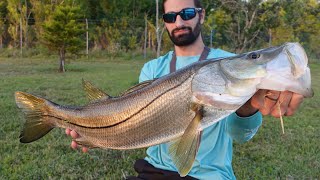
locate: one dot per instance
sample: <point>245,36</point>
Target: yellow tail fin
<point>37,122</point>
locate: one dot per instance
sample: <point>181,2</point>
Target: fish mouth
<point>291,66</point>
<point>298,60</point>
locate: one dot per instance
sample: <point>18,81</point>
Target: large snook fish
<point>173,108</point>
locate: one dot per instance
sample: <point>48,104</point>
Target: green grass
<point>270,155</point>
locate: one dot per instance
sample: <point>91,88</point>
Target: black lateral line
<point>116,124</point>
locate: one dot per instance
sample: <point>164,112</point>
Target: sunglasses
<point>185,14</point>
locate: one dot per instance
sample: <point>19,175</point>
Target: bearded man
<point>183,20</point>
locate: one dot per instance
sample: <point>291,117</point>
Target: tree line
<point>113,25</point>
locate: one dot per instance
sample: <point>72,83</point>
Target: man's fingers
<point>74,145</point>
<point>269,104</point>
<point>273,95</point>
<point>85,149</point>
<point>294,104</point>
<point>284,100</point>
<point>257,101</point>
<point>68,131</point>
<point>269,99</point>
<point>74,134</point>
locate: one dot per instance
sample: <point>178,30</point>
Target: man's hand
<point>267,102</point>
<point>75,135</point>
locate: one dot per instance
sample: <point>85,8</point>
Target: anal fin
<point>184,150</point>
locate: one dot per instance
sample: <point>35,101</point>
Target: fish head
<point>278,68</point>
<point>232,81</point>
<point>244,72</point>
<point>288,70</point>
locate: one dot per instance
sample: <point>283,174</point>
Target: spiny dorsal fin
<point>137,87</point>
<point>93,93</point>
<point>184,150</point>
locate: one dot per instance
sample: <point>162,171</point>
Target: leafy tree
<point>243,26</point>
<point>302,17</point>
<point>93,10</point>
<point>314,39</point>
<point>270,18</point>
<point>3,12</point>
<point>239,25</point>
<point>217,21</point>
<point>63,32</point>
<point>284,32</point>
<point>13,20</point>
<point>18,13</point>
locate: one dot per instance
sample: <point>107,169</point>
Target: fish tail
<point>38,121</point>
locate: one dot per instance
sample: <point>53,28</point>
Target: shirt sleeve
<point>146,73</point>
<point>242,129</point>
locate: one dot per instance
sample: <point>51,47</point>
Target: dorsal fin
<point>93,93</point>
<point>137,87</point>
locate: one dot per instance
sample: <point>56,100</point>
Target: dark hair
<point>197,4</point>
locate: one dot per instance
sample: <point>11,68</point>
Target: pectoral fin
<point>93,93</point>
<point>183,151</point>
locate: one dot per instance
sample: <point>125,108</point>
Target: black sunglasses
<point>185,14</point>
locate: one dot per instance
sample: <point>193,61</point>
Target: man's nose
<point>179,21</point>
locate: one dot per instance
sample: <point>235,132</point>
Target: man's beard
<point>185,39</point>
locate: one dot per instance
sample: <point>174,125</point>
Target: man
<point>183,20</point>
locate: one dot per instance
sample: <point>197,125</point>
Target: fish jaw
<point>289,71</point>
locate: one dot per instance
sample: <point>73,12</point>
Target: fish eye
<point>254,55</point>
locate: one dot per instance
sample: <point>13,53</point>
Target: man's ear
<point>202,16</point>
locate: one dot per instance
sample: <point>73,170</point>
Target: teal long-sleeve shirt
<point>214,157</point>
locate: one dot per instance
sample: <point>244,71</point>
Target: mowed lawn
<point>269,155</point>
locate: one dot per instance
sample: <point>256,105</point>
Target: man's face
<point>183,32</point>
